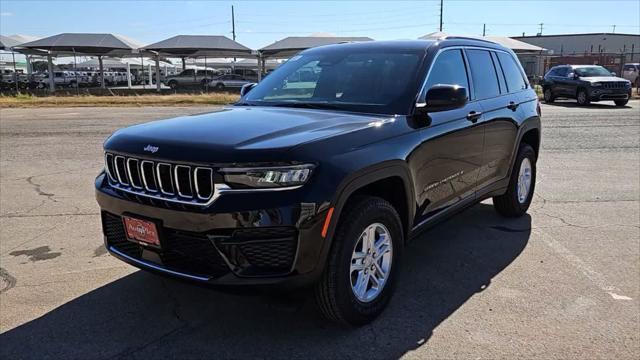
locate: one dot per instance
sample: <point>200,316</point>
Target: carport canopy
<point>292,45</point>
<point>513,44</point>
<point>83,44</point>
<point>6,43</point>
<point>200,46</point>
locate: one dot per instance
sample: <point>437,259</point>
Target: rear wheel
<point>548,96</point>
<point>583,97</point>
<point>621,102</point>
<point>515,202</point>
<point>173,84</point>
<point>359,278</point>
<point>220,86</point>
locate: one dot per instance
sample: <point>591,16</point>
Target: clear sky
<point>259,23</point>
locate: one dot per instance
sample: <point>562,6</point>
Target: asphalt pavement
<point>561,282</point>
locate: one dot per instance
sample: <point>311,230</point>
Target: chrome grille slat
<point>180,183</point>
<point>166,184</point>
<point>119,172</point>
<point>176,178</point>
<point>146,177</point>
<point>134,176</point>
<point>109,167</point>
<point>200,192</point>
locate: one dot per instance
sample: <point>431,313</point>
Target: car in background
<point>229,81</point>
<point>585,83</point>
<point>631,72</point>
<point>190,78</point>
<point>60,78</point>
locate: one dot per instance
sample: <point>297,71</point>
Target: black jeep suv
<point>585,83</point>
<point>321,180</point>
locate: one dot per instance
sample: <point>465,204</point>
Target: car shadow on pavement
<point>574,104</point>
<point>146,316</point>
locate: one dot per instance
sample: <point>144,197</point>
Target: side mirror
<point>246,88</point>
<point>613,73</point>
<point>443,97</point>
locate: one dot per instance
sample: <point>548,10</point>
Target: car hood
<point>237,133</point>
<point>603,79</point>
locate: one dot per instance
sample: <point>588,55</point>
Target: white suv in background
<point>631,72</point>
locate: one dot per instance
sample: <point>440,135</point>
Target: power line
<point>342,31</point>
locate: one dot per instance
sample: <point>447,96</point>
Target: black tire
<point>508,204</point>
<point>173,84</point>
<point>220,87</point>
<point>621,102</point>
<point>582,97</point>
<point>548,96</point>
<point>334,295</point>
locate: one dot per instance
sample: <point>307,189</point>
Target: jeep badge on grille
<point>150,148</point>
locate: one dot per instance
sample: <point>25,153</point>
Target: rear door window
<point>501,73</point>
<point>512,73</point>
<point>483,73</point>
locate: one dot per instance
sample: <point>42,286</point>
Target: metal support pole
<point>150,76</point>
<point>206,77</point>
<point>144,87</point>
<point>75,72</point>
<point>102,85</point>
<point>184,64</point>
<point>128,75</point>
<point>15,71</point>
<point>52,82</point>
<point>158,82</point>
<point>259,67</point>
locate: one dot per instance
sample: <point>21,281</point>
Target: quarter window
<point>448,69</point>
<point>512,73</point>
<point>483,73</point>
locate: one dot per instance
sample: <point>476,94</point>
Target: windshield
<point>365,81</point>
<point>592,71</point>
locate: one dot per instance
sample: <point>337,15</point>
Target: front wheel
<point>359,279</point>
<point>583,97</point>
<point>548,96</point>
<point>220,87</point>
<point>621,102</point>
<point>515,202</point>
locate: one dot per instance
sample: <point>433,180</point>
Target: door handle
<point>512,105</point>
<point>473,116</point>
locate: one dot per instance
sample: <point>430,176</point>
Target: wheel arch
<point>378,180</point>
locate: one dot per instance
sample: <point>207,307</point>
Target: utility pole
<point>614,29</point>
<point>541,27</point>
<point>484,30</point>
<point>441,6</point>
<point>233,23</point>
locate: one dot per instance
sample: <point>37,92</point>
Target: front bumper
<point>610,94</point>
<point>280,245</point>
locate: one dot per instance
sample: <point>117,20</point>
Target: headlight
<point>267,177</point>
<point>596,84</point>
<point>628,84</point>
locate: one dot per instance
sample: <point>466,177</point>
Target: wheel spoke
<point>356,267</point>
<point>380,274</point>
<point>361,284</point>
<point>359,255</point>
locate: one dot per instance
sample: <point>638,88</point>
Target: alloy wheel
<point>371,262</point>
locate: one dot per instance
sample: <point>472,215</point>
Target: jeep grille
<point>187,184</point>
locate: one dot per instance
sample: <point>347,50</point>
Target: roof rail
<point>449,37</point>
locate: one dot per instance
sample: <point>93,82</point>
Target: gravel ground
<point>563,282</point>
